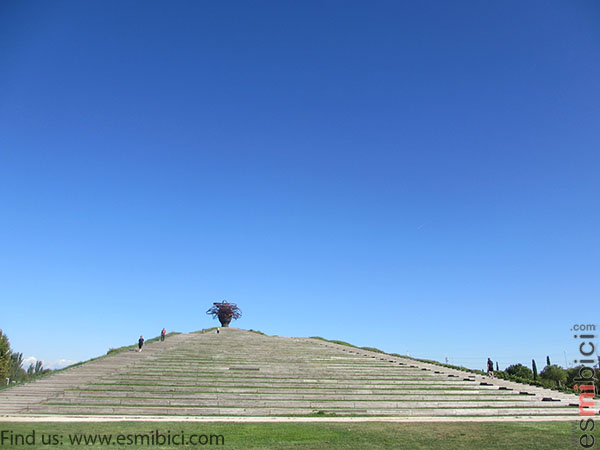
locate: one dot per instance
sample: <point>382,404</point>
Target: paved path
<point>270,419</point>
<point>245,376</point>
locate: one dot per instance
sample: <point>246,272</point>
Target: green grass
<point>257,332</point>
<point>347,344</point>
<point>270,391</point>
<point>169,396</point>
<point>205,330</point>
<point>559,410</point>
<point>297,386</point>
<point>233,375</point>
<point>113,351</point>
<point>370,435</point>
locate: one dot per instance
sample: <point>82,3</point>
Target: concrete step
<point>217,411</point>
<point>243,373</point>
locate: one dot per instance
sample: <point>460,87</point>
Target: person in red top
<point>163,333</point>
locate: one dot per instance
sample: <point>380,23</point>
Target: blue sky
<point>420,177</point>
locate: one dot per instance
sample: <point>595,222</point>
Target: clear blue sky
<point>413,176</point>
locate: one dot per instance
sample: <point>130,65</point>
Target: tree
<point>534,369</point>
<point>548,361</point>
<point>574,377</point>
<point>225,311</point>
<point>497,368</point>
<point>17,374</point>
<point>572,374</point>
<point>35,369</point>
<point>39,369</point>
<point>554,373</point>
<point>519,370</point>
<point>4,358</point>
<point>11,364</point>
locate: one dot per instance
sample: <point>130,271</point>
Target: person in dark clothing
<point>490,366</point>
<point>140,343</point>
<point>163,333</point>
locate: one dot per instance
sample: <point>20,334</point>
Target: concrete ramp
<point>246,374</point>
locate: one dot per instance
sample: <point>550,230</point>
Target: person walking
<point>490,367</point>
<point>140,343</point>
<point>163,333</point>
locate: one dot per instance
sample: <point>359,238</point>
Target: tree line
<point>552,376</point>
<point>11,365</point>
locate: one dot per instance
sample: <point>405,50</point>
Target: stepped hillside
<point>242,373</point>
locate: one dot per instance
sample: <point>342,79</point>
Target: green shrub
<point>555,374</point>
<point>372,349</point>
<point>519,370</point>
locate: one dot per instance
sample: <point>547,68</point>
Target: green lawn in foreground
<point>371,435</point>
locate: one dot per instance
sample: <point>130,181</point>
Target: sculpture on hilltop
<point>225,311</point>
